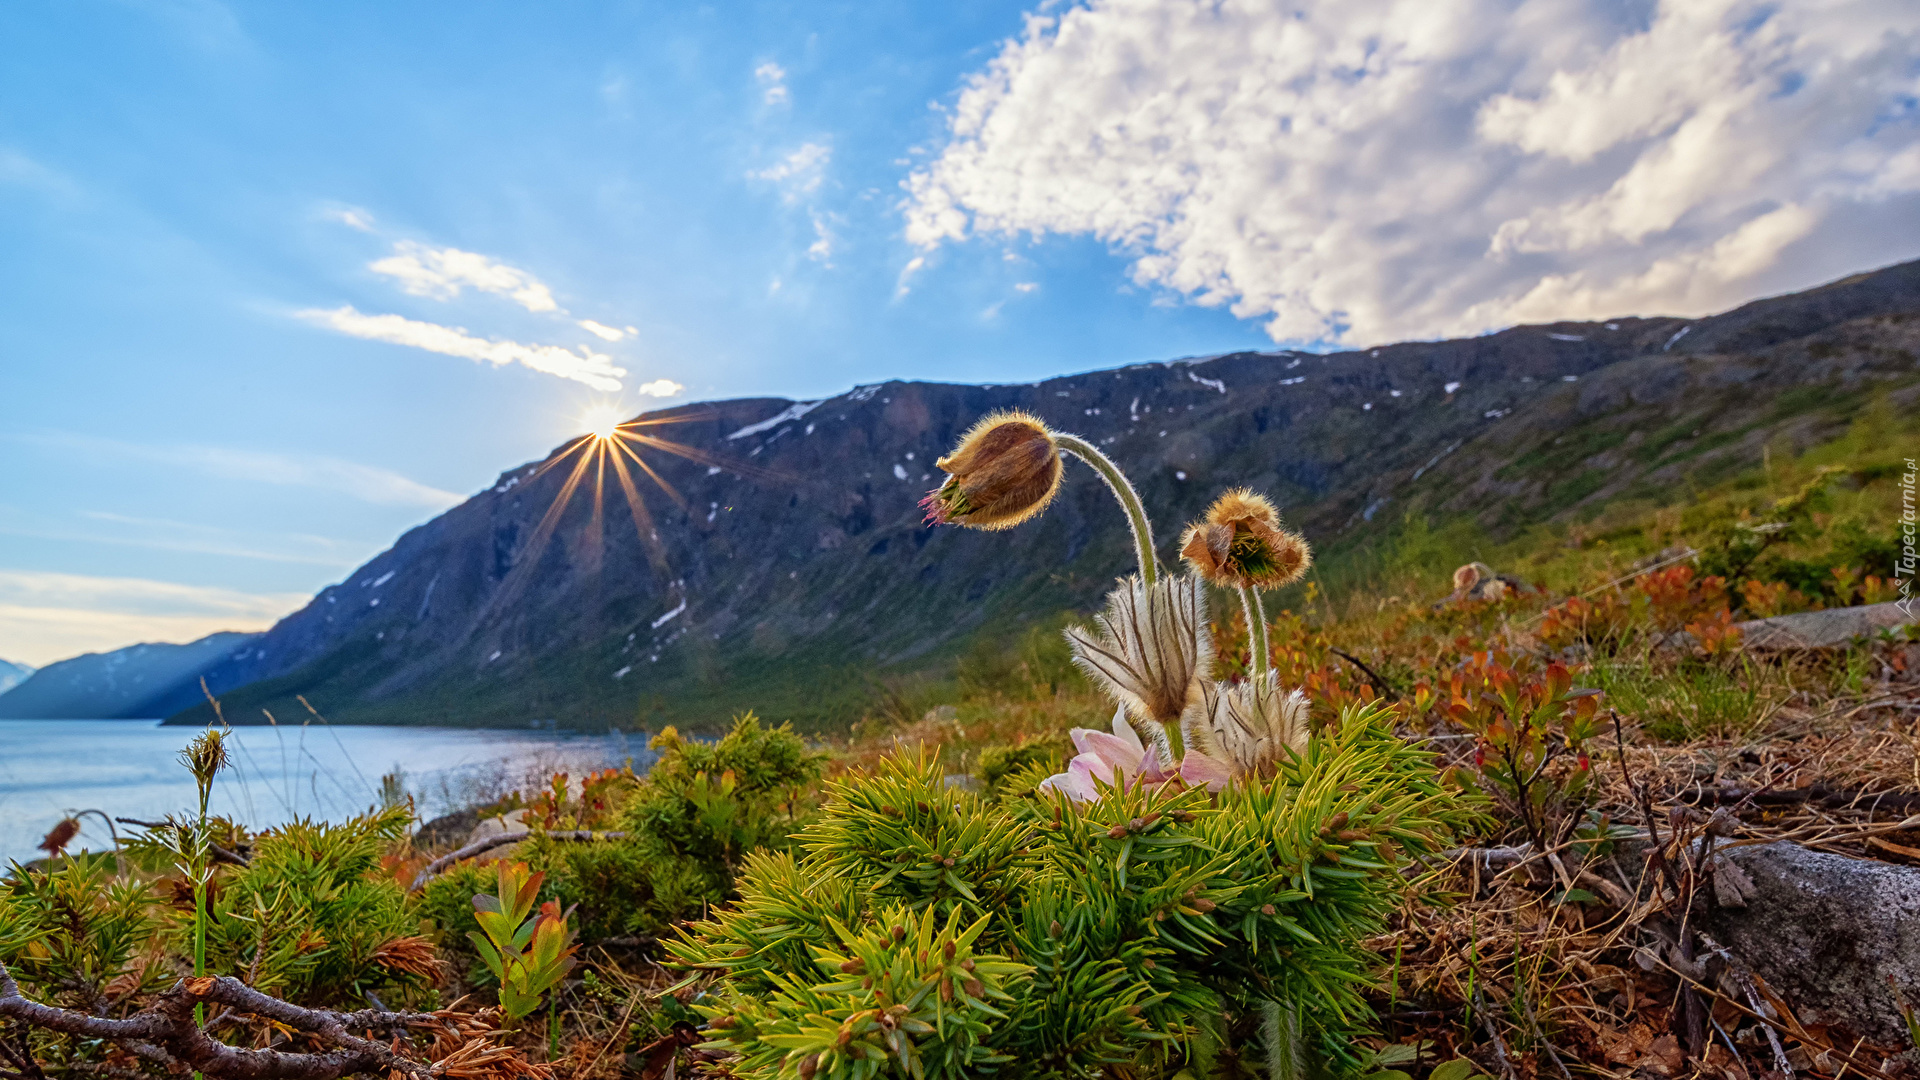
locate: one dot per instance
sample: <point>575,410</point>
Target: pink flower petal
<point>1125,732</point>
<point>1073,784</point>
<point>1114,751</point>
<point>1151,770</point>
<point>1200,769</point>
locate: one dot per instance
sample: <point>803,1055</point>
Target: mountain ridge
<point>13,674</point>
<point>797,566</point>
<point>151,680</point>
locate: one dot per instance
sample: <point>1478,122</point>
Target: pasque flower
<point>1005,470</point>
<point>1121,757</point>
<point>1239,729</point>
<point>1150,649</point>
<point>1240,544</point>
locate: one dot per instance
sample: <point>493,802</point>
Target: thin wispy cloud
<point>442,273</point>
<point>155,534</point>
<point>353,217</point>
<point>821,250</point>
<point>364,482</point>
<point>1363,172</point>
<point>46,617</point>
<point>773,81</point>
<point>18,169</point>
<point>585,366</point>
<point>901,285</point>
<point>800,172</point>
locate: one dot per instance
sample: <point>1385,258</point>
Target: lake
<point>131,768</point>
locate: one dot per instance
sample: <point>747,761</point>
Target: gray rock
<point>1828,933</point>
<point>1823,629</point>
<point>512,822</point>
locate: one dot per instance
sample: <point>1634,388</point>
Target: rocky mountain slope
<point>12,674</point>
<point>137,682</point>
<point>794,567</point>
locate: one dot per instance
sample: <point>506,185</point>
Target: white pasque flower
<point>1151,647</point>
<point>1241,728</point>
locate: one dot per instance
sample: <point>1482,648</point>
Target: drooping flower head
<point>1005,470</point>
<point>60,836</point>
<point>1150,649</point>
<point>1121,757</point>
<point>1240,544</point>
<point>1244,728</point>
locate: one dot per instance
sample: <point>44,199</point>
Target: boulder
<point>1832,935</point>
<point>1824,629</point>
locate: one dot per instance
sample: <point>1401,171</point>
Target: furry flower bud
<point>1005,470</point>
<point>205,756</point>
<point>1240,544</point>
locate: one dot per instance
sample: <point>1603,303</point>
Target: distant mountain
<point>139,681</point>
<point>12,674</point>
<point>795,567</point>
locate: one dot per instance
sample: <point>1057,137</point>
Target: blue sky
<point>279,280</point>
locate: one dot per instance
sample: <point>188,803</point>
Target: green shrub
<point>1004,768</point>
<point>701,809</point>
<point>75,932</point>
<point>706,805</point>
<point>307,918</point>
<point>926,930</point>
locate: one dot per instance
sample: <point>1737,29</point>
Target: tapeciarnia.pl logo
<point>1903,570</point>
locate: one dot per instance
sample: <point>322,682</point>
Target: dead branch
<point>1386,689</point>
<point>488,844</point>
<point>166,1033</point>
<point>1831,798</point>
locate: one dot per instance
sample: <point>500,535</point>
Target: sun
<point>601,421</point>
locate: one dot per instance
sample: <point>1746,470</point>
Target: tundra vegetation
<point>1257,817</point>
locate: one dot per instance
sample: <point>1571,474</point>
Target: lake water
<point>131,768</point>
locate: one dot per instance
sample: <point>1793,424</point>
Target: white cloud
<point>660,388</point>
<point>800,172</point>
<point>1425,167</point>
<point>442,272</point>
<point>46,617</point>
<point>773,78</point>
<point>594,369</point>
<point>1025,286</point>
<point>602,331</point>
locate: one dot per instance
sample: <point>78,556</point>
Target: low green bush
<point>923,930</point>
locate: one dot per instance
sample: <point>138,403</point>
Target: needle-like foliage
<point>926,931</point>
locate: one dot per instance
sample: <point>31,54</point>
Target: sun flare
<point>601,421</point>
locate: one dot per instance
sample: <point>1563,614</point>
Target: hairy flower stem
<point>1256,629</point>
<point>1123,491</point>
<point>1286,1050</point>
<point>202,871</point>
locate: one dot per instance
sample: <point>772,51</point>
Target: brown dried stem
<point>501,840</point>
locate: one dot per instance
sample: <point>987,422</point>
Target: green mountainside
<point>776,580</point>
